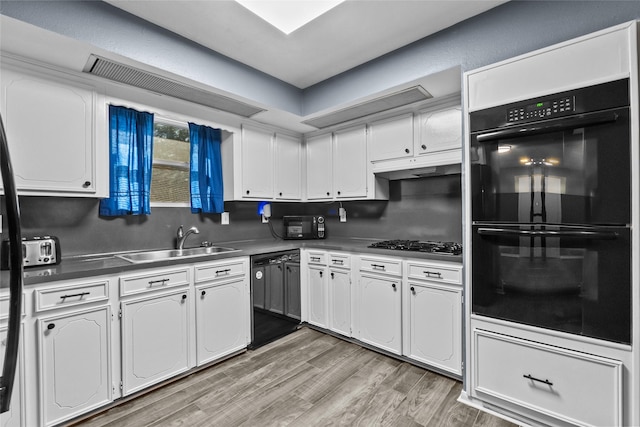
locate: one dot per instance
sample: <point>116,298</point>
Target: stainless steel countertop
<point>74,267</point>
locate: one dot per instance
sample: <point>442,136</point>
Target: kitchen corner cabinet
<point>56,129</point>
<point>75,362</point>
<point>156,327</point>
<point>380,303</point>
<point>222,309</point>
<point>337,167</point>
<point>433,315</point>
<point>262,165</point>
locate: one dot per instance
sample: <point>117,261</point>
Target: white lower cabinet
<point>75,363</point>
<point>318,282</point>
<point>380,308</point>
<point>340,301</point>
<point>434,333</point>
<point>15,416</point>
<point>222,310</point>
<point>155,338</point>
<point>432,310</point>
<point>564,385</point>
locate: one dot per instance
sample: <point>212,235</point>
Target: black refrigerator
<point>15,273</point>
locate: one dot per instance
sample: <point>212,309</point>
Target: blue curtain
<point>206,169</point>
<point>130,158</point>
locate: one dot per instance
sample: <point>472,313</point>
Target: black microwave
<point>303,227</point>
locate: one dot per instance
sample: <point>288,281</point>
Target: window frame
<point>161,119</point>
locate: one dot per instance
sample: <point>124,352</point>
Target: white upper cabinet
<point>350,163</point>
<point>338,168</point>
<point>391,138</point>
<point>288,167</point>
<point>262,165</point>
<point>257,163</point>
<point>319,167</point>
<point>439,130</point>
<point>56,129</point>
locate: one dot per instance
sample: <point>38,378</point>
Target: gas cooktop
<point>446,248</point>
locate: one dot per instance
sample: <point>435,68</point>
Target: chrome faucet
<point>182,236</point>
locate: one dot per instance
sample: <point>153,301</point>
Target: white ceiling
<point>348,35</point>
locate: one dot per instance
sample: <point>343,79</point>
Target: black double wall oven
<point>551,212</point>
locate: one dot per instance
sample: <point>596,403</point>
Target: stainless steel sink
<point>161,255</point>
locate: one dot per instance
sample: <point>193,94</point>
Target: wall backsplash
<point>425,209</point>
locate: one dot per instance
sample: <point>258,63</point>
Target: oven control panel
<point>542,109</point>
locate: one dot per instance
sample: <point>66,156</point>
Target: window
<point>170,175</point>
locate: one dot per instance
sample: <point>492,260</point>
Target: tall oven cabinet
<point>552,267</point>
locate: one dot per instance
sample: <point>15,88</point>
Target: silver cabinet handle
<point>161,281</point>
<point>378,267</point>
<point>433,274</point>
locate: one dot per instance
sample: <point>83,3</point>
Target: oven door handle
<point>556,125</point>
<point>579,234</point>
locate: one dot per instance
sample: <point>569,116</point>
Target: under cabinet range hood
<point>121,73</point>
<point>421,172</point>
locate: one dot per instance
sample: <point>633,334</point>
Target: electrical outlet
<point>224,218</point>
<point>343,215</point>
<point>265,219</point>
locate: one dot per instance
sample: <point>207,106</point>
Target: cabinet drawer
<point>153,280</point>
<point>381,265</point>
<point>575,387</point>
<point>317,258</point>
<point>435,272</point>
<point>69,296</point>
<point>219,271</point>
<point>4,306</point>
<point>339,260</point>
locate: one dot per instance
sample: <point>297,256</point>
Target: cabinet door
<point>155,339</point>
<point>14,417</point>
<point>340,301</point>
<point>257,163</point>
<point>391,138</point>
<point>380,320</point>
<point>221,319</point>
<point>350,162</point>
<point>49,126</point>
<point>319,168</point>
<point>292,301</point>
<point>440,130</point>
<point>288,168</point>
<point>318,296</point>
<point>75,363</point>
<point>274,298</point>
<point>435,335</point>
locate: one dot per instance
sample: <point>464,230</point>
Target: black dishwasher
<point>275,296</point>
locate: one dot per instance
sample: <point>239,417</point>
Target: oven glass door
<point>574,170</point>
<point>569,279</point>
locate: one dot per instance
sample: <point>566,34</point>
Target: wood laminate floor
<point>305,379</point>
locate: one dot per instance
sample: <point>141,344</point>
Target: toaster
<point>36,251</point>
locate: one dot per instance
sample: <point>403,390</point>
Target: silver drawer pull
<point>547,382</point>
<point>315,258</point>
<point>433,274</point>
<point>338,261</point>
<point>81,294</point>
<point>161,281</point>
<point>225,271</point>
<point>378,267</point>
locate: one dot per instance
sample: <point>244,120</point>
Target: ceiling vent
<point>132,76</point>
<point>378,105</point>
